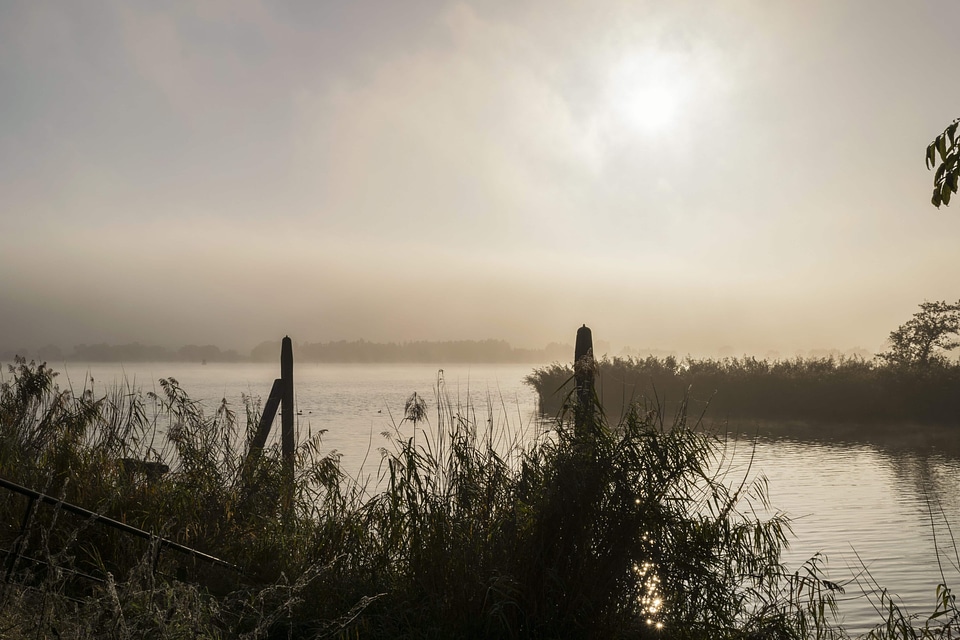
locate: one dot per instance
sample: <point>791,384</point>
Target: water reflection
<point>651,600</point>
<point>878,502</point>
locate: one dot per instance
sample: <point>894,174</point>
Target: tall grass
<point>633,529</point>
<point>821,389</point>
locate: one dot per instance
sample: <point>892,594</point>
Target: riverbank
<point>586,531</point>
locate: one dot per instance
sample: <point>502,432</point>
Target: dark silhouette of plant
<point>817,390</point>
<point>415,409</point>
<point>946,179</point>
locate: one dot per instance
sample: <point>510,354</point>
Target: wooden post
<point>281,395</point>
<point>287,440</point>
<point>583,371</point>
<point>269,413</point>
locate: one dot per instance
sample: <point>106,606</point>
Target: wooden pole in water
<point>583,371</point>
<point>287,440</point>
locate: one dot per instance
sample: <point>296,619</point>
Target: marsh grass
<point>815,389</point>
<point>585,528</point>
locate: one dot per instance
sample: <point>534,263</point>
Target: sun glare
<point>652,108</point>
<point>647,92</point>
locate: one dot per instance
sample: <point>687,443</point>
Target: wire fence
<point>19,555</point>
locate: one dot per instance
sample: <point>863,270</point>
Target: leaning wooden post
<point>583,371</point>
<point>287,440</point>
<point>263,429</point>
<point>266,420</point>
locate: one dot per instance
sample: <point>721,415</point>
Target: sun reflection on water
<point>651,599</point>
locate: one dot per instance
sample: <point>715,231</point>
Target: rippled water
<point>882,517</point>
<point>862,498</point>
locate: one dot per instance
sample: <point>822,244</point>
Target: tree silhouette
<point>924,339</point>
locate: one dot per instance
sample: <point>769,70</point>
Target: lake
<point>853,495</point>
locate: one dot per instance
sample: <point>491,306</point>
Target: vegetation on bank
<point>816,389</point>
<point>633,530</point>
<point>915,380</point>
<point>597,530</point>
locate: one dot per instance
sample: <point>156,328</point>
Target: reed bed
<point>590,528</point>
<point>815,389</point>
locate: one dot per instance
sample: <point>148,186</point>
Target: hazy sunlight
<point>647,92</point>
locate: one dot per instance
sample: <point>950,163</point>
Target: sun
<point>650,108</point>
<point>647,92</point>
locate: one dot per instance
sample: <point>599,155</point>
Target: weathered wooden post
<point>287,440</point>
<point>583,371</point>
<point>266,419</point>
<point>281,396</point>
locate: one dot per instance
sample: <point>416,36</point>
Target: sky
<point>744,176</point>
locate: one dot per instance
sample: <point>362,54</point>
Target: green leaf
<point>938,176</point>
<point>935,200</point>
<point>954,181</point>
<point>942,146</point>
<point>952,131</point>
<point>945,194</point>
<point>931,155</point>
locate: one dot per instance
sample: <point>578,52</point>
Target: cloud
<point>469,144</point>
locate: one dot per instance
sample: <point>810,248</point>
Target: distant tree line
<point>474,351</point>
<point>477,351</point>
<point>132,352</point>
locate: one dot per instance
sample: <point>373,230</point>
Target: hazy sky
<point>680,175</point>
